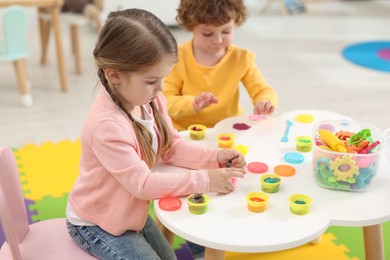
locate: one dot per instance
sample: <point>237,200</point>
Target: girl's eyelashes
<point>151,82</point>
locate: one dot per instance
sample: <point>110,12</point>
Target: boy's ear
<point>112,76</point>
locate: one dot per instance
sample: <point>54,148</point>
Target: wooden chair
<point>75,21</point>
<point>47,239</point>
<point>15,48</point>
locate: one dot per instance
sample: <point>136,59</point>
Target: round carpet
<point>374,55</point>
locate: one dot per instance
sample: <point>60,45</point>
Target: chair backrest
<point>12,209</point>
<point>15,32</point>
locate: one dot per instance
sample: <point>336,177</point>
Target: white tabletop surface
<point>229,225</point>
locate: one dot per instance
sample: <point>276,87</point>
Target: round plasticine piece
<point>170,203</point>
<point>293,158</point>
<point>284,170</point>
<point>305,118</point>
<point>327,127</point>
<point>257,167</point>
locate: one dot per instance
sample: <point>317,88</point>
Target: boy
<point>203,87</point>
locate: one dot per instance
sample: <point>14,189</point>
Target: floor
<point>300,55</point>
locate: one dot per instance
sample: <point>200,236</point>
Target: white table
<point>229,226</point>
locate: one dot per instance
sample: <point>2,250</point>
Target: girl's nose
<point>159,87</point>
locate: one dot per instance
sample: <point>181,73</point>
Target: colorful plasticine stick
<point>332,141</point>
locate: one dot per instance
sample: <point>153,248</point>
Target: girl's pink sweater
<point>115,185</point>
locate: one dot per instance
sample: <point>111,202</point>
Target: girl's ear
<point>112,75</point>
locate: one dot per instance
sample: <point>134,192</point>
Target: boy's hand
<point>263,108</point>
<point>205,99</point>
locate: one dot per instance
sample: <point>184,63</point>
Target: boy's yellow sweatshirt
<point>188,79</point>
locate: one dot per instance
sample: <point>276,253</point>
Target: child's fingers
<point>236,172</point>
<point>239,161</point>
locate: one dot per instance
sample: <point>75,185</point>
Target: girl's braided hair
<point>131,41</point>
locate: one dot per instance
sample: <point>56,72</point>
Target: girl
<point>126,131</point>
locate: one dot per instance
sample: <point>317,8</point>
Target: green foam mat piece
<point>49,208</point>
<point>352,237</point>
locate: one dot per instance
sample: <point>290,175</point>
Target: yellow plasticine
<point>241,148</point>
<point>325,147</point>
<point>305,118</point>
<point>332,141</point>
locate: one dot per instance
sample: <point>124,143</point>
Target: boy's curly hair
<point>214,12</point>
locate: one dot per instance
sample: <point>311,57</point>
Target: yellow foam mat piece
<point>324,250</point>
<point>48,169</point>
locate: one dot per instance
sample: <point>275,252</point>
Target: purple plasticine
<point>241,126</point>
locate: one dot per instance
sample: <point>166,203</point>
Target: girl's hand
<point>220,179</point>
<point>263,108</point>
<point>204,100</point>
<point>231,158</point>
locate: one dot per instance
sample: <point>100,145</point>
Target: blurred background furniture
<point>54,7</point>
<point>268,3</point>
<point>75,21</point>
<point>47,239</point>
<point>15,48</point>
<point>286,6</point>
<point>74,13</point>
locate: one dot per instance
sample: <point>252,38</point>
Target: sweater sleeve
<point>119,157</point>
<point>256,85</point>
<point>186,154</point>
<point>114,144</point>
<point>178,104</point>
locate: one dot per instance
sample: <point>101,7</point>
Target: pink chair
<point>47,239</point>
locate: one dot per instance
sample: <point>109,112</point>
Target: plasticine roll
<point>332,141</point>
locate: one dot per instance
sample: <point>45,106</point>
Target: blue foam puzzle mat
<point>374,55</point>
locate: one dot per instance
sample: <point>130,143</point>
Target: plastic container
<point>270,183</point>
<point>346,170</point>
<point>299,204</point>
<point>197,131</point>
<point>198,208</point>
<point>257,201</point>
<point>226,140</point>
<point>303,143</point>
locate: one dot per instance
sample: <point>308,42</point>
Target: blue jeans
<point>150,243</point>
<point>197,251</point>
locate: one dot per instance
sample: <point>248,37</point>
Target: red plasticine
<point>225,138</point>
<point>257,167</point>
<point>169,203</point>
<point>371,146</point>
<point>256,199</point>
<point>241,126</point>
